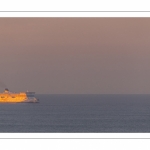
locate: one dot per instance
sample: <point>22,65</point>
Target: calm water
<point>78,114</point>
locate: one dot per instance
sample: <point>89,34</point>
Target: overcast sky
<point>75,55</point>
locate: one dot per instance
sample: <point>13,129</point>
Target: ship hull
<point>24,97</point>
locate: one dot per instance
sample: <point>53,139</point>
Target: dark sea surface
<point>78,114</point>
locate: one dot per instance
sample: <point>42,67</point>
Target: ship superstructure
<point>9,97</point>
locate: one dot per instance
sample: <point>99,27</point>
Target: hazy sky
<point>75,55</point>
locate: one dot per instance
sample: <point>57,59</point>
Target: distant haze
<point>75,55</point>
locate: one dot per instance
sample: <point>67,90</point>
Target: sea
<point>89,113</point>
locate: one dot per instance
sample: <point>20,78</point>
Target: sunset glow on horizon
<point>75,55</point>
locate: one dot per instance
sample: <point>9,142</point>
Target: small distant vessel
<point>9,97</point>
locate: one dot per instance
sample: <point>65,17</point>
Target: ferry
<point>9,97</point>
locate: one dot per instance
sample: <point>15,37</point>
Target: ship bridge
<point>30,94</point>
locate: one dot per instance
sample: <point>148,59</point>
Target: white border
<point>75,135</point>
<point>74,5</point>
<point>74,14</point>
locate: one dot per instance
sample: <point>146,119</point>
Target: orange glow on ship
<point>8,97</point>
